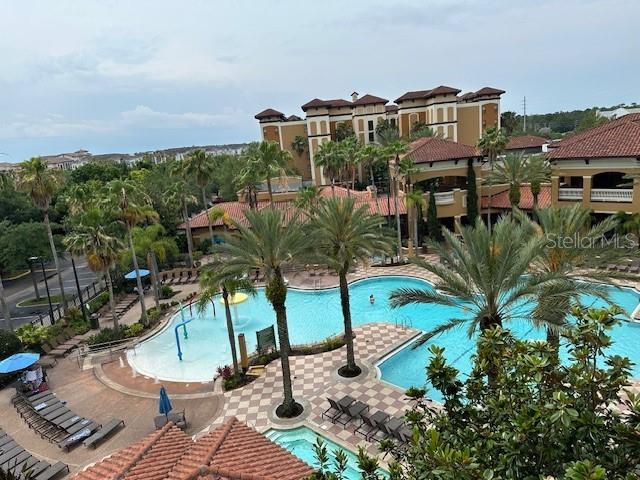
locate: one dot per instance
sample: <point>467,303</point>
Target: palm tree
<point>89,238</point>
<point>628,223</point>
<point>266,243</point>
<point>492,143</point>
<point>216,278</point>
<point>331,158</point>
<point>393,152</point>
<point>488,272</point>
<point>538,172</point>
<point>351,152</point>
<point>343,235</point>
<point>307,198</point>
<point>512,171</point>
<point>200,167</point>
<point>573,250</point>
<point>415,203</point>
<point>250,182</point>
<point>41,183</point>
<point>126,202</point>
<point>179,194</point>
<point>299,144</point>
<point>267,160</point>
<point>369,157</point>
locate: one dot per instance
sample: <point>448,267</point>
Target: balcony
<point>615,195</point>
<point>570,194</point>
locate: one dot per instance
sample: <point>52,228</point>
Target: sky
<point>130,76</point>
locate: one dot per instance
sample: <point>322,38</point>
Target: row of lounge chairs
<point>632,267</point>
<point>16,460</point>
<point>180,277</point>
<point>48,416</point>
<point>372,425</point>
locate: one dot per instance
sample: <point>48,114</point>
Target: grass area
<point>31,302</point>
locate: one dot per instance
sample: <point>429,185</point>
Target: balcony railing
<point>445,198</point>
<point>611,195</point>
<point>571,194</point>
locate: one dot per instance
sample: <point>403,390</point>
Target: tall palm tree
<point>343,235</point>
<point>538,172</point>
<point>90,238</point>
<point>267,160</point>
<point>628,223</point>
<point>512,171</point>
<point>415,204</point>
<point>250,181</point>
<point>180,195</point>
<point>200,167</point>
<point>307,198</point>
<point>369,157</point>
<point>267,244</point>
<point>573,249</point>
<point>393,152</point>
<point>41,183</point>
<point>217,279</point>
<point>128,203</point>
<point>487,273</point>
<point>492,143</point>
<point>351,153</point>
<point>331,158</point>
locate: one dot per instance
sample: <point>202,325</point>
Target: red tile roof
<point>235,210</point>
<point>433,149</point>
<point>391,108</point>
<point>370,100</point>
<point>483,92</point>
<point>617,138</point>
<point>519,142</point>
<point>316,102</point>
<point>293,118</point>
<point>232,451</point>
<point>441,90</point>
<point>501,200</point>
<point>269,112</point>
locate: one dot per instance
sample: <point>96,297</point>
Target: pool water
<point>300,442</point>
<point>315,315</point>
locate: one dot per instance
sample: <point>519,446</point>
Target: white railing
<point>444,198</point>
<point>611,195</point>
<point>570,194</point>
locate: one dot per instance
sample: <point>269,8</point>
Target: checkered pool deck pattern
<point>313,376</point>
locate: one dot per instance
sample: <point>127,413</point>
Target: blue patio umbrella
<point>18,361</point>
<point>165,403</point>
<point>132,274</point>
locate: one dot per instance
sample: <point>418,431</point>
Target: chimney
<point>372,190</point>
<point>354,96</point>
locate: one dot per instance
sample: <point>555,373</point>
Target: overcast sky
<point>112,76</point>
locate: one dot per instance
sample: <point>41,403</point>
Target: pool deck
<point>114,390</point>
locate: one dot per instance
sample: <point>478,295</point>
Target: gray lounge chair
<point>353,411</point>
<point>52,471</point>
<point>371,424</point>
<point>78,436</point>
<point>103,433</point>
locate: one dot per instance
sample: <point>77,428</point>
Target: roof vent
<point>354,96</point>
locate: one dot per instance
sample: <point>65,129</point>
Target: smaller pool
<point>300,442</point>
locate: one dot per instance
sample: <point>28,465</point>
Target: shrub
<point>133,330</point>
<point>166,292</point>
<point>98,302</point>
<point>225,372</point>
<point>9,344</point>
<point>33,336</point>
<point>106,335</point>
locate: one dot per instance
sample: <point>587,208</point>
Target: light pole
<point>75,274</point>
<point>46,286</point>
<point>33,279</point>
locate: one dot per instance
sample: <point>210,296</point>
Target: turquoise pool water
<point>300,442</point>
<point>315,315</point>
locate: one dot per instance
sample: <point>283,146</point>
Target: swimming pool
<point>300,442</point>
<point>316,314</point>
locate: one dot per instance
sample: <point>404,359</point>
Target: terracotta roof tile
<point>501,200</point>
<point>269,112</point>
<point>316,102</point>
<point>370,100</point>
<point>525,141</point>
<point>391,108</point>
<point>617,138</point>
<point>433,149</point>
<point>417,94</point>
<point>483,92</point>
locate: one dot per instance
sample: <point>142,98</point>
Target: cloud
<point>146,116</point>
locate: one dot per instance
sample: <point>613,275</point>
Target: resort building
<point>527,145</point>
<point>454,117</point>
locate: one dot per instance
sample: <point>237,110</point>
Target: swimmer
<point>372,299</point>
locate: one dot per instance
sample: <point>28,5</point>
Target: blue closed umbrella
<point>132,274</point>
<point>18,361</point>
<point>165,403</point>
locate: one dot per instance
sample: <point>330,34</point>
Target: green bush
<point>106,335</point>
<point>9,344</point>
<point>133,330</point>
<point>33,336</point>
<point>166,292</point>
<point>98,302</point>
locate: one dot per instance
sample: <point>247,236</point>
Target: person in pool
<point>372,299</point>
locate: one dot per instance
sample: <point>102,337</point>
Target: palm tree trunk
<point>206,209</point>
<point>352,368</point>
<point>185,216</point>
<point>333,187</point>
<point>270,192</point>
<point>553,339</point>
<point>153,267</point>
<point>276,294</point>
<point>5,308</point>
<point>143,308</point>
<point>56,262</point>
<point>230,332</point>
<point>416,214</point>
<point>399,232</point>
<point>112,302</point>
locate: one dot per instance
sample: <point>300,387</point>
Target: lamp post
<point>33,279</point>
<point>75,274</point>
<point>46,286</point>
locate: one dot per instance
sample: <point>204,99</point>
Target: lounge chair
<point>353,411</point>
<point>179,419</point>
<point>52,351</point>
<point>78,436</point>
<point>103,433</point>
<point>52,471</point>
<point>371,424</point>
<point>390,426</point>
<point>47,361</point>
<point>333,412</point>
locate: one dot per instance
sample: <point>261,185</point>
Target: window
<point>393,122</point>
<point>370,124</point>
<point>371,136</point>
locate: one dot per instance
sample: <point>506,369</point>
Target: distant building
<point>8,167</point>
<point>617,112</point>
<point>527,144</point>
<point>68,161</point>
